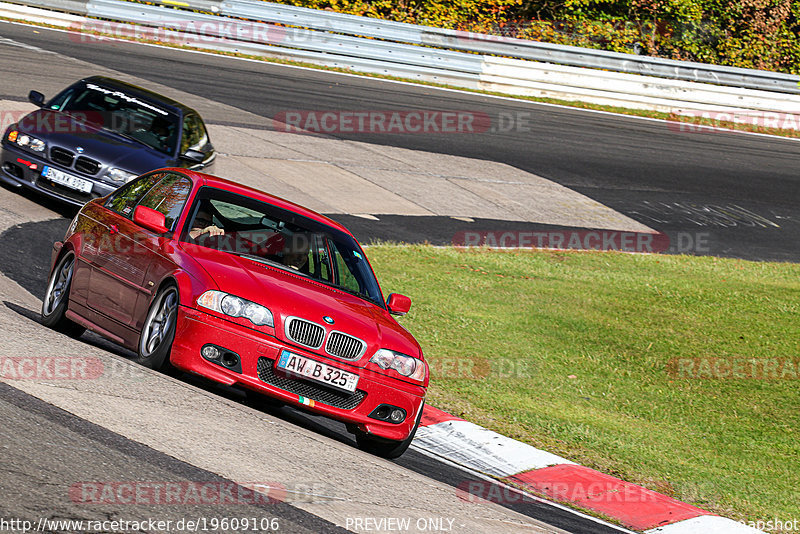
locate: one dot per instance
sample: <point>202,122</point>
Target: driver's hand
<point>210,230</point>
<point>213,230</point>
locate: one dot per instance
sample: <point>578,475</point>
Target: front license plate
<point>314,370</point>
<point>67,180</point>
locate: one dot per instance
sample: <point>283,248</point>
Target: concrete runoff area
<point>335,176</point>
<point>214,434</point>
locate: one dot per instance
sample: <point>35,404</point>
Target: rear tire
<point>158,332</point>
<point>387,448</point>
<point>56,298</point>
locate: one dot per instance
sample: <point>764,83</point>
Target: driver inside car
<point>295,252</point>
<point>204,222</point>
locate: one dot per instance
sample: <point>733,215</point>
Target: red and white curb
<point>520,465</point>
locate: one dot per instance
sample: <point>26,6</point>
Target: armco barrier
<point>515,48</point>
<point>316,43</point>
<point>324,21</point>
<point>297,38</point>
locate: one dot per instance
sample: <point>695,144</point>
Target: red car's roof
<point>234,187</point>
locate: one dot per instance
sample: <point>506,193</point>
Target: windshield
<point>127,115</point>
<point>267,234</point>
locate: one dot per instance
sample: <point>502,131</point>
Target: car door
<point>169,197</point>
<point>126,254</point>
<point>98,241</point>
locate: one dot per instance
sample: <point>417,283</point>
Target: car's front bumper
<point>258,352</point>
<point>20,168</point>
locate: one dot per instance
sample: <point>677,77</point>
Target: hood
<point>293,295</point>
<point>110,149</point>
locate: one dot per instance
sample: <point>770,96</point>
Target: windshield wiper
<point>356,293</point>
<point>128,137</point>
<point>271,263</point>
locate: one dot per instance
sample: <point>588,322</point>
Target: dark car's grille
<point>61,156</point>
<point>338,399</point>
<point>344,346</point>
<point>304,332</point>
<point>86,165</point>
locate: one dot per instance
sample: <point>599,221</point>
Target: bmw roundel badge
<point>328,320</point>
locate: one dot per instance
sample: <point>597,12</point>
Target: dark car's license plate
<point>67,180</point>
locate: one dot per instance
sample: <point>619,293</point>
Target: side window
<point>126,197</point>
<point>168,197</point>
<point>194,134</point>
<point>60,100</point>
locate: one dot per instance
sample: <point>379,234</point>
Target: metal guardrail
<point>374,45</point>
<point>70,6</point>
<point>280,36</point>
<point>510,47</point>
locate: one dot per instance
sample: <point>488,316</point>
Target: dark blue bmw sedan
<point>98,134</point>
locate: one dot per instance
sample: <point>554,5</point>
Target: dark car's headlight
<point>405,365</point>
<point>120,176</point>
<point>234,306</point>
<point>26,141</point>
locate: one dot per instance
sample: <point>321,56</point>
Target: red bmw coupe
<point>247,289</point>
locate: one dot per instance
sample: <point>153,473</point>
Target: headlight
<point>118,175</point>
<point>26,141</point>
<point>234,306</point>
<point>405,365</point>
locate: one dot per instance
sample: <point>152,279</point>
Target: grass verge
<point>629,364</point>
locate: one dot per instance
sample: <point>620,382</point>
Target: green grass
<point>570,352</point>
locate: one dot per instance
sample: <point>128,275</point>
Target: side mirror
<point>36,98</point>
<point>398,304</point>
<point>193,156</point>
<point>153,220</point>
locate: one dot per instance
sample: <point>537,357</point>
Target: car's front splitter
<point>258,352</point>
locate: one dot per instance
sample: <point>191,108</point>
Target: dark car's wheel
<point>158,332</point>
<point>56,298</point>
<point>387,448</point>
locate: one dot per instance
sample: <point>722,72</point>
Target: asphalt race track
<point>735,193</point>
<point>30,244</point>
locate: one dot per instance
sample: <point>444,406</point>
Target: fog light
<point>210,352</point>
<point>229,360</point>
<point>389,413</point>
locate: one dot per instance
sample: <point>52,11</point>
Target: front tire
<point>56,298</point>
<point>158,332</point>
<point>387,448</point>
